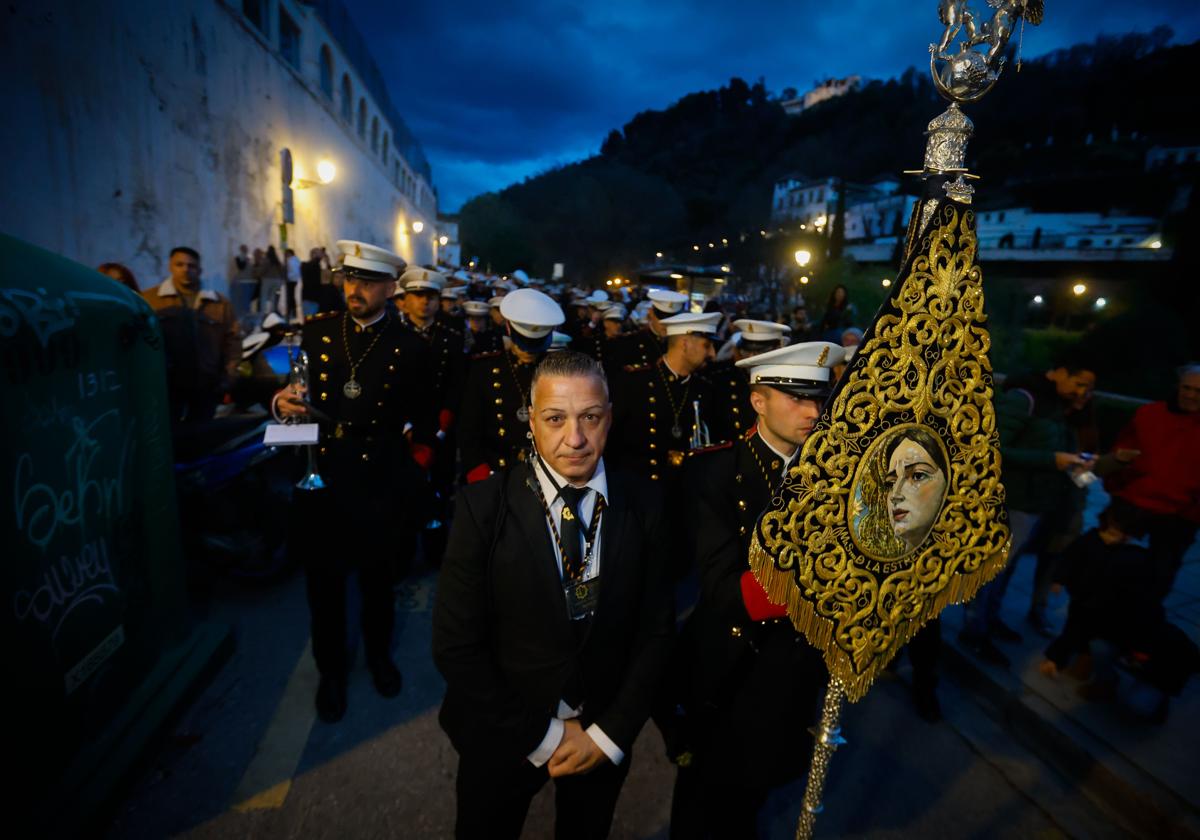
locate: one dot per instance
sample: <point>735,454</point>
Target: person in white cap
<point>419,315</point>
<point>745,652</point>
<point>643,346</point>
<point>614,321</point>
<point>732,381</point>
<point>656,405</point>
<point>481,336</point>
<point>497,315</point>
<point>367,385</point>
<point>495,410</point>
<point>451,313</point>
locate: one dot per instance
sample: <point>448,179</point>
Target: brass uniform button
<point>380,403</point>
<point>654,476</point>
<point>654,446</point>
<point>741,504</point>
<point>387,386</point>
<point>324,396</point>
<point>321,451</point>
<point>366,457</point>
<point>324,357</point>
<point>742,531</point>
<point>499,400</point>
<point>392,368</point>
<point>324,377</point>
<point>501,462</point>
<point>738,478</point>
<point>654,462</point>
<point>495,371</point>
<point>775,464</point>
<point>501,431</point>
<point>396,351</point>
<point>652,430</point>
<point>735,410</point>
<point>652,415</point>
<point>496,385</point>
<point>326,339</point>
<point>652,399</point>
<point>735,631</point>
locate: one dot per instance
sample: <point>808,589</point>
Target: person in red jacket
<point>1163,480</point>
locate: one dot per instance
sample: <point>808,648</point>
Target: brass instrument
<point>298,381</point>
<point>700,435</point>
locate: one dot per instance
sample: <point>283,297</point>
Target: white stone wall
<point>134,126</point>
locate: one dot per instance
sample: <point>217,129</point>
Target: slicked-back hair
<point>183,249</point>
<point>568,363</point>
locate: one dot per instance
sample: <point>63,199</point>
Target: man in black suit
<point>755,680</point>
<point>553,619</point>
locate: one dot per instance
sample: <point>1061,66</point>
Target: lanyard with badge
<point>582,595</point>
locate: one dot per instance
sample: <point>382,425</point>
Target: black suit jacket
<point>501,633</point>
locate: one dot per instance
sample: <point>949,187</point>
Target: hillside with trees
<point>1068,132</point>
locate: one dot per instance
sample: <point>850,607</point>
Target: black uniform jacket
<point>364,454</point>
<point>649,404</point>
<point>732,387</point>
<point>501,633</point>
<point>754,684</point>
<point>489,430</point>
<point>448,362</point>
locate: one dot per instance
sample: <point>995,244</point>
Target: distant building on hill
<point>872,209</point>
<point>827,89</point>
<point>1171,157</point>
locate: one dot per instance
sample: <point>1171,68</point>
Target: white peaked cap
<point>750,330</point>
<point>692,322</point>
<point>368,257</point>
<point>804,369</point>
<point>667,302</point>
<point>422,278</point>
<point>532,313</point>
<point>476,307</point>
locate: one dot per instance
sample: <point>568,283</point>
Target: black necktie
<point>571,531</point>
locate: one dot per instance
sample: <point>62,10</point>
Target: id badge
<point>582,597</point>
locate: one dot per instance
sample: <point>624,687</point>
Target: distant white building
<point>1022,228</point>
<point>827,89</point>
<point>138,126</point>
<point>873,209</point>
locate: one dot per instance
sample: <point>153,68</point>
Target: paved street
<point>248,759</point>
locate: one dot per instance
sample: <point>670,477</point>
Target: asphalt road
<point>248,758</point>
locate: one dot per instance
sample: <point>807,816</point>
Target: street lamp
<point>658,255</point>
<point>418,226</point>
<point>1101,303</point>
<point>443,240</point>
<point>804,280</point>
<point>887,281</point>
<point>1078,289</point>
<point>803,258</point>
<point>326,171</point>
<point>1038,300</point>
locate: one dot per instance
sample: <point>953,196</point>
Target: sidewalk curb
<point>1127,794</point>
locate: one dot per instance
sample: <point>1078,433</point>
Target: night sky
<point>498,91</point>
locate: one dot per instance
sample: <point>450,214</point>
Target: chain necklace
<point>676,410</point>
<point>523,410</point>
<point>352,389</point>
<point>589,538</point>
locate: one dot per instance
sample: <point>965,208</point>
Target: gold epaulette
<point>321,316</point>
<point>487,354</point>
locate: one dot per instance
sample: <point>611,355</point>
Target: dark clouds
<point>497,91</point>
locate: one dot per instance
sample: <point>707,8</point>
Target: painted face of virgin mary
<point>916,487</point>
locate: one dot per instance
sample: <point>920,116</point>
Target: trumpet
<point>298,381</point>
<point>700,436</point>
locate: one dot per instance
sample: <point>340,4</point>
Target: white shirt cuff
<point>605,744</point>
<point>554,735</point>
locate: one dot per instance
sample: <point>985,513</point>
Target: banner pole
<point>828,735</point>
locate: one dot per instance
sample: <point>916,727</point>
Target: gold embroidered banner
<point>895,508</point>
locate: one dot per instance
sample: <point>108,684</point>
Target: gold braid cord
<point>862,559</point>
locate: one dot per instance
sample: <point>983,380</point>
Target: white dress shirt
<point>598,485</point>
